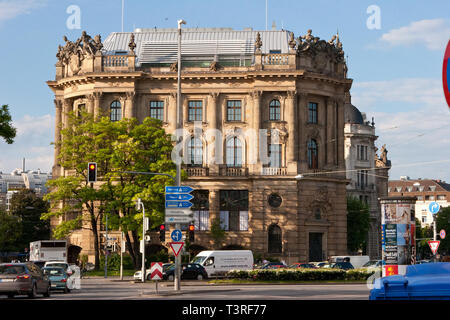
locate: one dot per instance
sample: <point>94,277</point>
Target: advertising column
<point>398,234</point>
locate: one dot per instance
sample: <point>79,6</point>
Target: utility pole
<point>177,278</point>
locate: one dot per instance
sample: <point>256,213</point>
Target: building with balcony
<point>259,107</point>
<point>426,191</point>
<point>368,173</point>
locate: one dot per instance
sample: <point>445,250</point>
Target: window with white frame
<point>234,210</point>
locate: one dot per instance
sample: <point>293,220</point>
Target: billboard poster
<point>398,234</point>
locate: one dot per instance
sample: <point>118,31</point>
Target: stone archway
<point>73,253</point>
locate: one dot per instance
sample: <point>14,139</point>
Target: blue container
<point>428,281</point>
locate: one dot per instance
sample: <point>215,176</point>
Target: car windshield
<point>54,272</point>
<point>11,269</point>
<point>199,259</point>
<point>59,265</point>
<point>372,263</point>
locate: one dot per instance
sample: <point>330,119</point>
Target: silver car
<point>23,279</point>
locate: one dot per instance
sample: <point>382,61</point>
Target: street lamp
<point>177,278</point>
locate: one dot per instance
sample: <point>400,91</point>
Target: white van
<point>356,261</point>
<point>219,262</point>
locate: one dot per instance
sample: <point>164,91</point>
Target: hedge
<point>300,274</point>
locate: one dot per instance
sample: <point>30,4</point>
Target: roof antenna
<point>122,12</point>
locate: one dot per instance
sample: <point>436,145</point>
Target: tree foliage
<point>116,147</point>
<point>10,232</point>
<point>28,207</point>
<point>7,131</point>
<point>358,223</point>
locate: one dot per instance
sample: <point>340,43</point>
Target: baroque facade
<point>367,171</point>
<point>263,91</point>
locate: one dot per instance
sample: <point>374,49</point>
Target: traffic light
<point>92,172</point>
<point>191,233</point>
<point>162,233</point>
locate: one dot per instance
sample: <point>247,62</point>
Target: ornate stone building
<point>238,83</point>
<point>368,172</point>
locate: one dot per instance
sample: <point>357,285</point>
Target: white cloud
<point>9,9</point>
<point>433,34</point>
<point>415,126</point>
<point>32,142</point>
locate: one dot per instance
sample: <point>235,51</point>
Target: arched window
<point>195,152</point>
<point>115,111</point>
<point>275,245</point>
<point>312,154</point>
<point>234,152</point>
<point>274,110</point>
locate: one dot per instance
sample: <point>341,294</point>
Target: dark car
<point>342,265</point>
<point>274,265</point>
<point>303,266</point>
<point>189,271</point>
<point>23,278</point>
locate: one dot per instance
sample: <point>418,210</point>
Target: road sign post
<point>434,245</point>
<point>442,234</point>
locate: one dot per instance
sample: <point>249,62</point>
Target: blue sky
<point>396,69</point>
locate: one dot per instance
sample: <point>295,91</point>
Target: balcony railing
<point>269,171</point>
<point>233,171</point>
<point>197,171</point>
<point>275,59</point>
<point>115,61</point>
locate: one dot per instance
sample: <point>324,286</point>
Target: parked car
<point>58,278</point>
<point>23,278</point>
<point>60,264</point>
<point>274,265</point>
<point>303,266</point>
<point>192,271</point>
<point>373,265</point>
<point>342,265</point>
<point>320,264</point>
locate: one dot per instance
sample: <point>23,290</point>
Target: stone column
<point>340,122</point>
<point>128,105</point>
<point>254,145</point>
<point>58,125</point>
<point>330,123</point>
<point>214,205</point>
<point>66,108</point>
<point>302,121</point>
<point>291,152</point>
<point>97,110</point>
<point>90,106</point>
<point>213,138</point>
<point>172,112</point>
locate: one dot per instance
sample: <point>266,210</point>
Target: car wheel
<point>47,294</point>
<point>149,277</point>
<point>200,277</point>
<point>170,278</point>
<point>32,293</point>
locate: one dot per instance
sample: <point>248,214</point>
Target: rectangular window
<point>362,178</point>
<point>157,110</point>
<point>234,111</point>
<point>440,197</point>
<point>312,112</point>
<point>201,220</point>
<point>274,155</point>
<point>195,111</point>
<point>234,210</point>
<point>362,152</point>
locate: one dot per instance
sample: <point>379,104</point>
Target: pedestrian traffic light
<point>162,233</point>
<point>92,172</point>
<point>191,233</point>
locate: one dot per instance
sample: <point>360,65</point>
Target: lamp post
<point>177,278</point>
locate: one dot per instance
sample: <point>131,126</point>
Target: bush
<point>300,274</point>
<point>114,262</point>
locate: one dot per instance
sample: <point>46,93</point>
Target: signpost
<point>178,211</point>
<point>434,245</point>
<point>156,273</point>
<point>434,207</point>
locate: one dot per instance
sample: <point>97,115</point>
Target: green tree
<point>7,131</point>
<point>10,232</point>
<point>217,233</point>
<point>358,222</point>
<point>443,223</point>
<point>118,146</point>
<point>28,207</point>
<point>146,148</point>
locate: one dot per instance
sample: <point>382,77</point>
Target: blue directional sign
<point>434,207</point>
<point>178,204</point>
<point>182,189</point>
<point>176,235</point>
<point>180,196</point>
